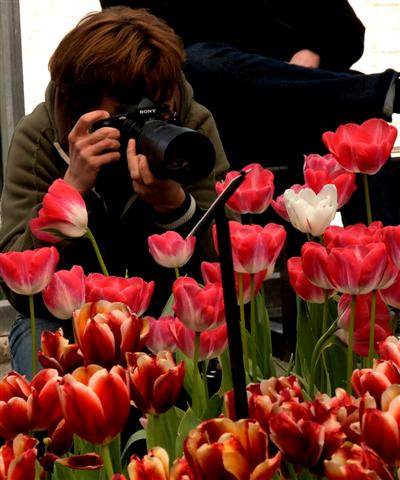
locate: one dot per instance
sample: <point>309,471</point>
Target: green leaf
<point>214,407</point>
<point>61,472</point>
<point>226,381</point>
<point>263,339</point>
<point>136,437</point>
<point>167,310</point>
<point>188,380</point>
<point>162,430</point>
<point>188,422</point>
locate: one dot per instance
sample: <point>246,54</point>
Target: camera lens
<point>174,152</point>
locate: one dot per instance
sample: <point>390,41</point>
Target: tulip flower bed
<point>334,413</point>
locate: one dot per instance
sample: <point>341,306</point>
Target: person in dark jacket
<point>109,59</point>
<point>276,74</point>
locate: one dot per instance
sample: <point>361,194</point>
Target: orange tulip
<point>18,458</point>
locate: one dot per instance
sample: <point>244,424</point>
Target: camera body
<point>172,151</point>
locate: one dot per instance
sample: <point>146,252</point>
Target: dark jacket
<point>36,159</point>
<point>273,28</point>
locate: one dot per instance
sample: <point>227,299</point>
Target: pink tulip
<point>95,402</point>
<point>171,250</point>
<point>255,248</point>
<point>358,234</point>
<point>391,237</point>
<point>362,148</point>
<point>302,285</point>
<point>211,273</point>
<point>106,331</point>
<point>134,292</point>
<point>212,342</point>
<point>18,458</point>
<point>254,194</point>
<point>320,170</point>
<point>65,292</point>
<point>28,272</point>
<point>315,265</point>
<point>279,203</point>
<point>362,321</point>
<point>63,214</point>
<point>160,336</point>
<point>359,269</point>
<point>391,295</point>
<point>198,308</point>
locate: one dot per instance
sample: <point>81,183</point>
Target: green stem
<point>350,343</point>
<point>176,272</point>
<point>103,267</point>
<point>195,395</point>
<point>253,329</point>
<point>316,354</point>
<point>33,335</point>
<point>371,350</point>
<point>205,383</point>
<point>243,331</point>
<point>105,455</point>
<point>367,198</point>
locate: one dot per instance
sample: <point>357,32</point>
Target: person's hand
<point>163,195</point>
<point>88,151</point>
<point>306,58</point>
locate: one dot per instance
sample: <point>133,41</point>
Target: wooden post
<point>11,75</point>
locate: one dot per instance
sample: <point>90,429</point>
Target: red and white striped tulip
<point>170,249</point>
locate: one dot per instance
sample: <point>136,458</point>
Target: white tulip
<point>309,212</point>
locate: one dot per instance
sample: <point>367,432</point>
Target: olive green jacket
<point>36,159</point>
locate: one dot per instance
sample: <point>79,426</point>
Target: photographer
<point>109,60</point>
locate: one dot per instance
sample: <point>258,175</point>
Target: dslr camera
<point>172,151</point>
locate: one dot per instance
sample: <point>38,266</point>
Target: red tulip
<point>223,449</point>
<point>153,466</point>
<point>85,461</point>
<point>362,321</point>
<point>134,292</point>
<point>255,248</point>
<point>302,285</point>
<point>254,194</point>
<point>321,170</point>
<point>58,353</point>
<point>25,406</point>
<point>211,273</point>
<point>180,470</point>
<point>155,381</point>
<point>95,402</point>
<point>106,331</point>
<point>355,462</point>
<point>65,292</point>
<point>389,349</point>
<point>18,458</point>
<point>380,429</point>
<point>63,214</point>
<point>212,342</point>
<point>302,435</point>
<point>170,249</point>
<point>375,380</point>
<point>198,308</point>
<point>279,203</point>
<point>362,148</point>
<point>30,271</point>
<point>160,336</point>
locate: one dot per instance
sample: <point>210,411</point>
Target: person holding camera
<point>276,75</point>
<point>101,73</point>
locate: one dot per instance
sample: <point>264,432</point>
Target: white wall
<point>43,25</point>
